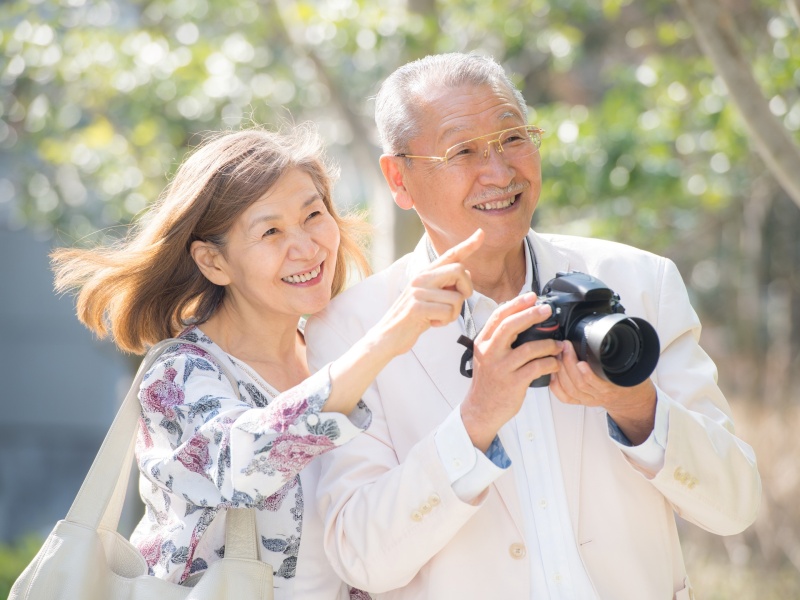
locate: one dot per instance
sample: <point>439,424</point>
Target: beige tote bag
<point>84,558</point>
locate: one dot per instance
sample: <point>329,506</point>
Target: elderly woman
<point>243,242</point>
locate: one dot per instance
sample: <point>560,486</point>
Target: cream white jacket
<point>372,491</point>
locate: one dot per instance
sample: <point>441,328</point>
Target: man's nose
<point>496,168</point>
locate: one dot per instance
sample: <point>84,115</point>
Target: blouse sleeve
<point>201,440</point>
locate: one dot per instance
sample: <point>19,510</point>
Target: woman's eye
<point>271,231</point>
<point>313,214</point>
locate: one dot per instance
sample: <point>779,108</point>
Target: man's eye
<point>461,151</point>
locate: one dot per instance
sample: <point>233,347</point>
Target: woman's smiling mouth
<point>304,277</point>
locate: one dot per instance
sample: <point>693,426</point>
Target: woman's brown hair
<point>147,287</point>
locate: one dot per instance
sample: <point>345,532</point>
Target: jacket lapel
<point>439,353</point>
<point>549,260</point>
<point>438,350</point>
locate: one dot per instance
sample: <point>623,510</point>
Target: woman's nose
<point>302,246</point>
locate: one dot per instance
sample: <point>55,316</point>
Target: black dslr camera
<point>622,350</point>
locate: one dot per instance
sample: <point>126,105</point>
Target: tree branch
<point>381,207</point>
<point>794,10</point>
<point>715,33</point>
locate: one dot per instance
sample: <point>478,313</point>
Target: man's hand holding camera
<point>502,374</point>
<point>578,332</point>
<point>632,408</point>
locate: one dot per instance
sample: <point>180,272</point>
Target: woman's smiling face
<point>280,254</point>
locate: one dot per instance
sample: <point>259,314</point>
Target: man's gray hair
<point>401,95</point>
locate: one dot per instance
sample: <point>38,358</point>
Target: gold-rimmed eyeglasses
<point>514,143</point>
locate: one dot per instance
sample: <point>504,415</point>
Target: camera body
<point>620,349</point>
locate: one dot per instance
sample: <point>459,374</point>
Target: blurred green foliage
<point>99,100</point>
<point>13,559</point>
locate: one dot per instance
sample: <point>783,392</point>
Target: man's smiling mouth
<point>497,204</point>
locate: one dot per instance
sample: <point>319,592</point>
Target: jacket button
<point>426,508</point>
<point>416,516</point>
<point>517,551</point>
<point>434,500</point>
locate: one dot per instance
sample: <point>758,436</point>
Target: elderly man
<point>486,487</point>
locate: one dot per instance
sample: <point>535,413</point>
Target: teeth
<point>496,205</point>
<point>302,277</point>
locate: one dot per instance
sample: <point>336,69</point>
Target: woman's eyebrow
<point>263,218</point>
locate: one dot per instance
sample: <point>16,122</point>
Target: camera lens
<point>620,348</point>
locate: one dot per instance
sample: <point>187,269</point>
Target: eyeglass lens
<point>512,143</point>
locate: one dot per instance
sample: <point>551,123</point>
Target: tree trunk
<point>716,34</point>
<point>794,10</point>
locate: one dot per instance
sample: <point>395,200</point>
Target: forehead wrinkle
<point>505,115</point>
<point>263,218</point>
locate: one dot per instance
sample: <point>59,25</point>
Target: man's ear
<point>210,261</point>
<point>392,168</point>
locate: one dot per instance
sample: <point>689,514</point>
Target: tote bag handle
<point>98,504</point>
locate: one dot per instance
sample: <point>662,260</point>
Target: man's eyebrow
<point>264,218</point>
<point>509,114</point>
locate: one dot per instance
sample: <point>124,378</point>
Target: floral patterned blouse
<point>201,447</point>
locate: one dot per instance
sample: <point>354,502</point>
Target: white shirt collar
<point>481,307</point>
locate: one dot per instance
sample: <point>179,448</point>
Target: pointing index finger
<point>463,250</point>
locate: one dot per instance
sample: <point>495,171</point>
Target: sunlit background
<point>100,100</point>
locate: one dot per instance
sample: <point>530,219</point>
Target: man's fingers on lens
<point>541,366</point>
<point>539,349</point>
<point>579,372</point>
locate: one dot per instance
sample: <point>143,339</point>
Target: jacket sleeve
<point>383,519</point>
<point>199,439</point>
<point>709,475</point>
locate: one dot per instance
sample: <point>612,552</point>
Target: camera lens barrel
<point>620,349</point>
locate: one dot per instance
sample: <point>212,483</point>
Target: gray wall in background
<point>59,393</point>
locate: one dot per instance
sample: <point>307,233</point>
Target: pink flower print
<point>163,395</point>
<point>150,549</point>
<point>291,453</point>
<point>194,455</point>
<point>273,503</point>
<point>287,413</point>
<point>192,349</point>
<point>145,441</point>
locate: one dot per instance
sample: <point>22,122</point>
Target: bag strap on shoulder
<point>99,500</point>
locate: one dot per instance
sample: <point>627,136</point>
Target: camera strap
<point>471,332</point>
